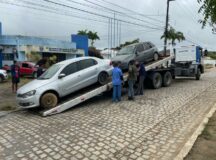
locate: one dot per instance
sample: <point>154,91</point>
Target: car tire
<point>198,75</point>
<point>49,100</point>
<point>103,78</point>
<point>156,80</point>
<point>167,79</point>
<point>156,56</point>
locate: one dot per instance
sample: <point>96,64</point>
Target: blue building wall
<point>25,40</point>
<point>81,42</point>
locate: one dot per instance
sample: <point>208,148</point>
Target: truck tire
<point>156,80</point>
<point>167,79</point>
<point>198,75</point>
<point>49,100</point>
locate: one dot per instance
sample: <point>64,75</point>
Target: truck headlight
<point>29,94</point>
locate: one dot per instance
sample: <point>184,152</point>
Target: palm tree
<point>83,32</point>
<point>172,35</point>
<point>93,36</point>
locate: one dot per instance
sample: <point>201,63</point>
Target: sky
<point>143,19</point>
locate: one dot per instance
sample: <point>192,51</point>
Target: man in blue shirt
<point>15,74</point>
<point>117,78</point>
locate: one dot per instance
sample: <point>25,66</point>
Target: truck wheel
<point>167,79</point>
<point>49,100</point>
<point>103,78</point>
<point>198,74</point>
<point>156,80</point>
<point>156,57</point>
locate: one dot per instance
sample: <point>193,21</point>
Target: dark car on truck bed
<point>141,52</point>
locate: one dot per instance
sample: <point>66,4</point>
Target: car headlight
<point>28,94</point>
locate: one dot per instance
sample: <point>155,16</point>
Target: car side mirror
<point>62,75</point>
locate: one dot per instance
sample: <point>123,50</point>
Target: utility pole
<point>166,26</point>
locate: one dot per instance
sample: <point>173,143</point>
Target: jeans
<point>116,93</point>
<point>131,88</point>
<point>140,88</point>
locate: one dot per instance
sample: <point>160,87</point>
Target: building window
<point>8,56</point>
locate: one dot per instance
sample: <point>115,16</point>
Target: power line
<point>93,13</point>
<point>114,4</point>
<point>121,13</point>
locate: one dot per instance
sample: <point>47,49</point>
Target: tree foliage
<point>93,36</point>
<point>128,43</point>
<point>208,9</point>
<point>172,35</point>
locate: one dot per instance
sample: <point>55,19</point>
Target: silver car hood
<point>121,57</point>
<point>33,85</point>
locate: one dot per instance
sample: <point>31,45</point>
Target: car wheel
<point>198,74</point>
<point>103,78</point>
<point>167,79</point>
<point>34,75</point>
<point>156,56</point>
<point>49,100</point>
<point>156,80</point>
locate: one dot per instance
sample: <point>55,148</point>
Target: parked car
<point>62,79</point>
<point>3,75</point>
<point>26,69</point>
<point>142,52</point>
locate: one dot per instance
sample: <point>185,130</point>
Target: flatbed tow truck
<point>159,73</point>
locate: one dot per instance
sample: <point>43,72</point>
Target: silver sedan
<point>63,79</point>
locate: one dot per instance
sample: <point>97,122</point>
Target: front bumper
<point>29,102</point>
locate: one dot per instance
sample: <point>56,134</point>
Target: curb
<point>189,144</point>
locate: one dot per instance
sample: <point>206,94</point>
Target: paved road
<point>155,126</point>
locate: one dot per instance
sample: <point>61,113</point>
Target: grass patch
<point>7,107</point>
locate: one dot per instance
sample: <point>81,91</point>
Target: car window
<point>25,65</point>
<point>50,72</point>
<point>140,48</point>
<point>148,45</point>
<point>83,64</point>
<point>70,69</point>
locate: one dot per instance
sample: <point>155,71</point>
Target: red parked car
<point>26,69</point>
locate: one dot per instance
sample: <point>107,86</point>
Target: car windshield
<point>126,50</point>
<point>50,72</point>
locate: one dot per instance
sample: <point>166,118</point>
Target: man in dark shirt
<point>142,75</point>
<point>15,75</point>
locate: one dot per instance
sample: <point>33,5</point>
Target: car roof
<point>134,44</point>
<point>66,62</point>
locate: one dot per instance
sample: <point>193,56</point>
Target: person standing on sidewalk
<point>15,75</point>
<point>117,78</point>
<point>142,75</point>
<point>132,77</point>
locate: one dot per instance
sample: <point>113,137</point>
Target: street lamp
<point>166,27</point>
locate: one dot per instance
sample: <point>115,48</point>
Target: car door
<point>88,69</point>
<point>25,69</point>
<point>68,84</point>
<point>140,53</point>
<point>149,51</point>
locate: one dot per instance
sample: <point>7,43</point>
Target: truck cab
<point>188,61</point>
